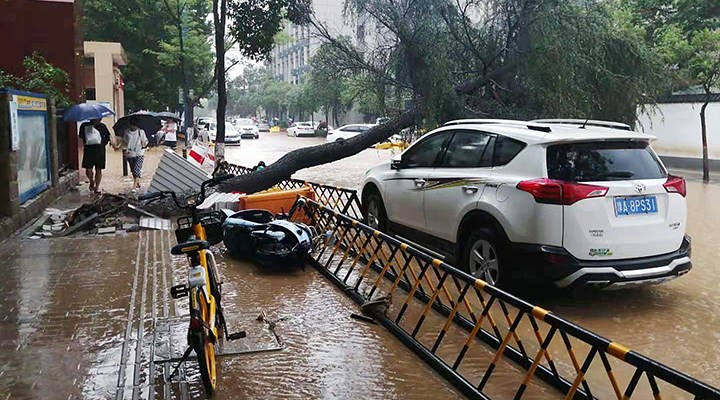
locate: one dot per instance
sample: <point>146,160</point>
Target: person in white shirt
<point>133,143</point>
<point>170,129</point>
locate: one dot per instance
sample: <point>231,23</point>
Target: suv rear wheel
<point>483,256</point>
<point>375,216</point>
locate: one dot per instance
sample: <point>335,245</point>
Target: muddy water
<point>677,323</point>
<point>327,354</point>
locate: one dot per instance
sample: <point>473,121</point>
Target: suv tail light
<point>551,191</point>
<point>675,184</point>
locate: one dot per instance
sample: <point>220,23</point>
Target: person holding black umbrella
<point>95,136</point>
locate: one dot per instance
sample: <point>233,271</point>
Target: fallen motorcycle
<point>260,236</point>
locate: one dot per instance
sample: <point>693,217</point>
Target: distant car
<point>203,120</point>
<point>232,136</point>
<point>263,127</point>
<point>247,128</point>
<point>347,131</point>
<point>298,129</point>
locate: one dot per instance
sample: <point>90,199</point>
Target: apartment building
<point>290,60</point>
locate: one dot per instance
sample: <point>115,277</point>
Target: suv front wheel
<point>483,256</point>
<point>375,216</point>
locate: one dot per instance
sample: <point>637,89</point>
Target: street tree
<point>695,61</point>
<point>252,25</point>
<point>686,34</point>
<point>448,59</point>
<point>166,43</point>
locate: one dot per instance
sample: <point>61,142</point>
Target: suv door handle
<point>470,189</point>
<point>420,182</point>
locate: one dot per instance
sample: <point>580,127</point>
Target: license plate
<point>635,205</point>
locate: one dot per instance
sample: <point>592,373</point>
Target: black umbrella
<point>142,119</point>
<point>167,115</point>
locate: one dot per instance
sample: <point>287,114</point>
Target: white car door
<point>404,188</point>
<point>458,183</point>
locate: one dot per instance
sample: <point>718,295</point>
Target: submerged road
<point>682,315</point>
<point>88,318</point>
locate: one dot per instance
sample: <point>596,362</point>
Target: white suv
<point>577,203</point>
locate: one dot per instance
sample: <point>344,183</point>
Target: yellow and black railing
<point>344,200</point>
<point>442,314</point>
<point>445,315</point>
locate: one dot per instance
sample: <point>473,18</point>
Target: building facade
<point>53,29</point>
<point>103,78</point>
<point>290,59</point>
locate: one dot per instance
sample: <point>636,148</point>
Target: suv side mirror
<point>396,164</point>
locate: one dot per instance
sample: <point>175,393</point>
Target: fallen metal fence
<point>522,341</point>
<point>422,294</point>
<point>343,200</point>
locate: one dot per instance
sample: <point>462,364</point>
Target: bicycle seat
<point>190,247</point>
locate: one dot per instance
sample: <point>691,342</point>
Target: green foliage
<point>525,59</point>
<point>604,72</point>
<point>694,59</point>
<point>686,34</point>
<point>40,77</point>
<point>149,31</point>
<point>256,23</point>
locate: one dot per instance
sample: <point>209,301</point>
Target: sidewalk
<point>113,180</point>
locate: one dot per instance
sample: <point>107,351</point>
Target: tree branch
<point>317,155</point>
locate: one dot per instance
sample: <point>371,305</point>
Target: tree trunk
<point>317,155</point>
<point>219,15</point>
<point>703,129</point>
<point>326,153</point>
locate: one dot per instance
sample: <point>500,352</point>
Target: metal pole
<point>125,164</point>
<point>187,125</point>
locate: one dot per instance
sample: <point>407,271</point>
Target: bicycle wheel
<point>216,291</point>
<point>205,350</point>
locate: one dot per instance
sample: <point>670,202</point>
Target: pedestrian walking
<point>133,144</point>
<point>170,130</point>
<point>95,136</point>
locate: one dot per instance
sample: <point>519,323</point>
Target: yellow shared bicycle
<point>204,288</point>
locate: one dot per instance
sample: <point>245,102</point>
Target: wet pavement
<point>87,318</point>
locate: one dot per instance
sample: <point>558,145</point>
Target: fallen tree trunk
<point>317,155</point>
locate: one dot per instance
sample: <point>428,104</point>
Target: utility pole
<point>186,100</point>
<point>219,18</point>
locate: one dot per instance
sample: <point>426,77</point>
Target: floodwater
<point>92,318</point>
<point>676,323</point>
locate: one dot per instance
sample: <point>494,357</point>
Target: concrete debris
<point>156,223</point>
<point>143,212</point>
<point>106,229</point>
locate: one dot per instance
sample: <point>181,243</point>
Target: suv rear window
<point>505,150</point>
<point>603,161</point>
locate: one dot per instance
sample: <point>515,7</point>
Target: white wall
<point>677,127</point>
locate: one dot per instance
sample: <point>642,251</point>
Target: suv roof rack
<point>583,122</point>
<point>533,125</point>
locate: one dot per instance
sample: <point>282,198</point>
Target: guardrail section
<point>343,200</point>
<point>487,342</point>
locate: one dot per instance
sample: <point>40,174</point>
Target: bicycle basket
<point>211,221</point>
